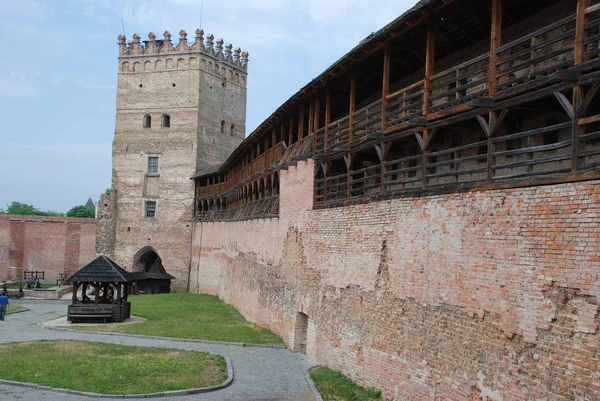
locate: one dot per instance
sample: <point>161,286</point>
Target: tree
<point>81,211</point>
<point>23,209</point>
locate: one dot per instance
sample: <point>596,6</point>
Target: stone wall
<point>457,297</point>
<point>50,244</point>
<point>204,95</point>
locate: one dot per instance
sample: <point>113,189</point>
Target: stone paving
<point>260,374</point>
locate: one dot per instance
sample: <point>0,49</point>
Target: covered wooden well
<point>109,284</point>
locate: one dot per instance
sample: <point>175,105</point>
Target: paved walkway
<point>265,374</point>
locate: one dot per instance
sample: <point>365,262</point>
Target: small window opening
<point>147,121</point>
<point>166,121</point>
<point>150,208</point>
<point>222,126</point>
<point>141,85</point>
<point>174,85</point>
<point>153,165</point>
<point>232,130</point>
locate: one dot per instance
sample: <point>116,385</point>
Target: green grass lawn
<point>334,386</point>
<point>109,368</point>
<point>196,316</point>
<point>24,286</point>
<point>14,308</point>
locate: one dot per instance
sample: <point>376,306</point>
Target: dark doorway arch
<point>149,273</point>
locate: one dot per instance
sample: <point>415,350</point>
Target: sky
<point>58,74</point>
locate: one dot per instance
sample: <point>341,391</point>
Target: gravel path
<point>266,374</point>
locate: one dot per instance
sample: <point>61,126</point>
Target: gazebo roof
<point>101,269</point>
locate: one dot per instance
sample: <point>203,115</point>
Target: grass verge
<point>14,308</point>
<point>109,368</point>
<point>334,386</point>
<point>193,316</point>
<point>24,286</point>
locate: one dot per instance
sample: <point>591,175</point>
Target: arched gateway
<point>149,274</point>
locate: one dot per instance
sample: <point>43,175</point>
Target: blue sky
<point>58,75</point>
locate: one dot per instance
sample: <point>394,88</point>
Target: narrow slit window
<point>147,121</point>
<point>223,127</point>
<point>166,121</point>
<point>232,130</point>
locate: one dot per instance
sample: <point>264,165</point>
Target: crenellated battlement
<point>226,53</point>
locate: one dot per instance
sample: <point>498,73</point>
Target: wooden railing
<point>532,56</point>
<point>259,208</point>
<point>269,157</point>
<point>460,84</point>
<point>405,104</point>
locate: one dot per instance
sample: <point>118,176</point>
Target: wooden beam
<point>291,130</point>
<point>490,147</point>
<point>565,103</point>
<point>581,20</point>
<point>385,90</point>
<point>327,116</point>
<point>485,126</point>
<point>301,122</point>
<point>311,111</point>
<point>352,107</point>
<point>429,66</point>
<point>316,120</point>
<point>495,42</point>
<point>587,100</point>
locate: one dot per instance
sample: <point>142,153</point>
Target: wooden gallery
<point>425,214</point>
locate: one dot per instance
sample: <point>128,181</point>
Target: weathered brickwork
<point>489,295</point>
<point>50,244</point>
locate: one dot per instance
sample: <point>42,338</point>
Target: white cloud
<point>64,149</point>
<point>17,89</point>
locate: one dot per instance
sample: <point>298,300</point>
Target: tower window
<point>223,127</point>
<point>232,132</point>
<point>150,208</point>
<point>147,121</point>
<point>153,165</point>
<point>166,121</point>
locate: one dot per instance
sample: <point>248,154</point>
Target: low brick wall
<point>50,244</point>
<point>457,297</point>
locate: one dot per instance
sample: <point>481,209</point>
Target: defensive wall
<point>458,296</point>
<point>50,244</point>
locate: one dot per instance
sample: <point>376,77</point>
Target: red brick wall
<point>50,244</point>
<point>456,297</point>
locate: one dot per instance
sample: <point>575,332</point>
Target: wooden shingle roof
<point>101,269</point>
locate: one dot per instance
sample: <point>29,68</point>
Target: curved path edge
<point>183,340</point>
<point>312,384</point>
<point>188,391</point>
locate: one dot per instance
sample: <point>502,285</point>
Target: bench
<point>13,293</point>
<point>62,277</point>
<point>90,313</point>
<point>103,316</point>
<point>32,278</point>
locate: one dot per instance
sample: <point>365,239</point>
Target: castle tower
<point>181,109</point>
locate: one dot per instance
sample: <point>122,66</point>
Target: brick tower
<point>181,109</point>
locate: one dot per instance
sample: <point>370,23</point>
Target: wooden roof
<point>101,269</point>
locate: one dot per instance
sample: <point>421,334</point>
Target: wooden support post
<point>385,89</point>
<point>282,133</point>
<point>327,117</point>
<point>490,147</point>
<point>352,107</point>
<point>301,123</point>
<point>578,91</point>
<point>311,110</point>
<point>429,66</point>
<point>349,159</point>
<point>495,41</point>
<point>291,130</point>
<point>316,122</point>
